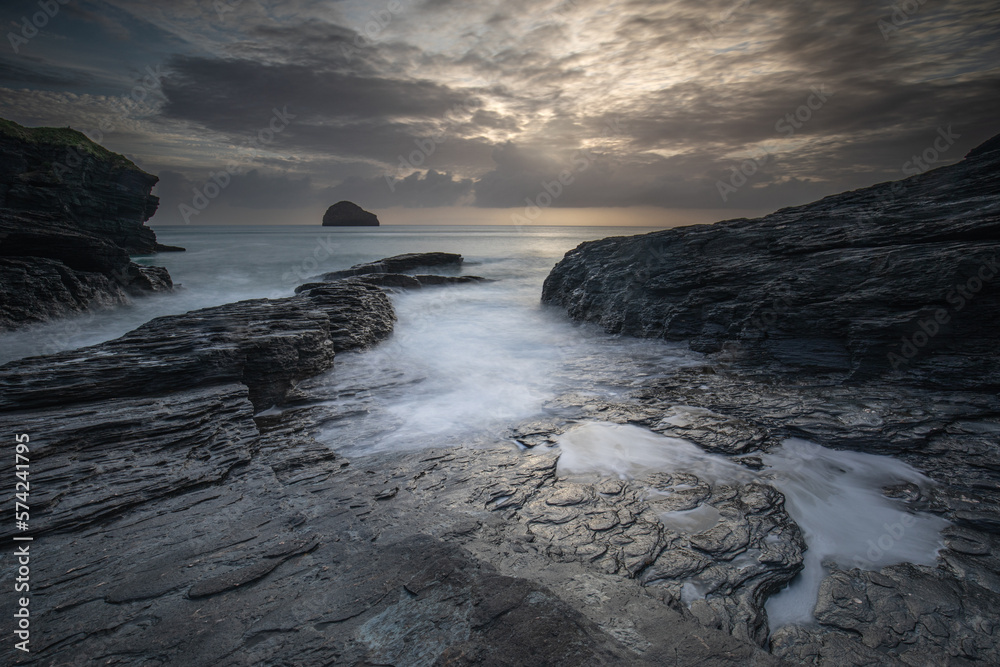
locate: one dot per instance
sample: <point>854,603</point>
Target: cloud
<point>418,190</point>
<point>497,99</point>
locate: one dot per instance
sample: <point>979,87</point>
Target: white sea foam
<point>468,362</point>
<point>626,451</point>
<point>834,496</point>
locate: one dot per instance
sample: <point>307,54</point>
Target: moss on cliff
<point>63,136</point>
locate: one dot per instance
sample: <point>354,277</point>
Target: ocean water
<point>467,362</point>
<point>230,263</point>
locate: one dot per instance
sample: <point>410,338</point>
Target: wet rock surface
<point>403,281</point>
<point>71,212</point>
<point>405,264</point>
<point>173,525</point>
<point>950,436</point>
<point>268,344</point>
<point>800,314</point>
<point>179,526</point>
<point>899,279</point>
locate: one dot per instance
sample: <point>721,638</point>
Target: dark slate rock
<point>348,214</point>
<point>838,285</point>
<point>266,344</point>
<point>407,264</point>
<point>60,171</point>
<point>71,212</point>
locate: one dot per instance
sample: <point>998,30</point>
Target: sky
<point>507,112</point>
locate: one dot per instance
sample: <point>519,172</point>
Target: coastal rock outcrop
<point>865,321</point>
<point>349,214</point>
<point>71,213</point>
<point>267,344</point>
<point>404,281</point>
<point>62,172</point>
<point>400,272</point>
<point>899,279</point>
<point>406,264</point>
<point>176,525</point>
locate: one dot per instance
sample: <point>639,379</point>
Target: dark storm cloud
<point>249,190</point>
<point>417,190</point>
<point>23,70</point>
<point>230,94</point>
<point>449,102</point>
<point>257,190</point>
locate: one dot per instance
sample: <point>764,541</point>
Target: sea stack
<point>348,214</point>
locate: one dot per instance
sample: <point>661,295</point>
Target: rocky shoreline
<point>184,513</point>
<point>897,280</point>
<point>866,321</point>
<point>71,214</point>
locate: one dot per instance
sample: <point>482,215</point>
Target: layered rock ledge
<point>864,321</point>
<point>400,272</point>
<point>71,213</point>
<point>899,279</point>
<point>176,522</point>
<point>404,264</point>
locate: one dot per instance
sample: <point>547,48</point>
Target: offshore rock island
<point>348,214</point>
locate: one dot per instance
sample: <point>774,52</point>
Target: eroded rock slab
<point>265,344</point>
<point>406,264</point>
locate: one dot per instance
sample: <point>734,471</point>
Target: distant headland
<point>348,214</point>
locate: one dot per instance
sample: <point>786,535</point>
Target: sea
<point>468,362</point>
<point>465,360</point>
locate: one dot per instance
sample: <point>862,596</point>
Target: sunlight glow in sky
<point>414,104</point>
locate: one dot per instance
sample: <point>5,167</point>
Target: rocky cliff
<point>71,212</point>
<point>895,280</point>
